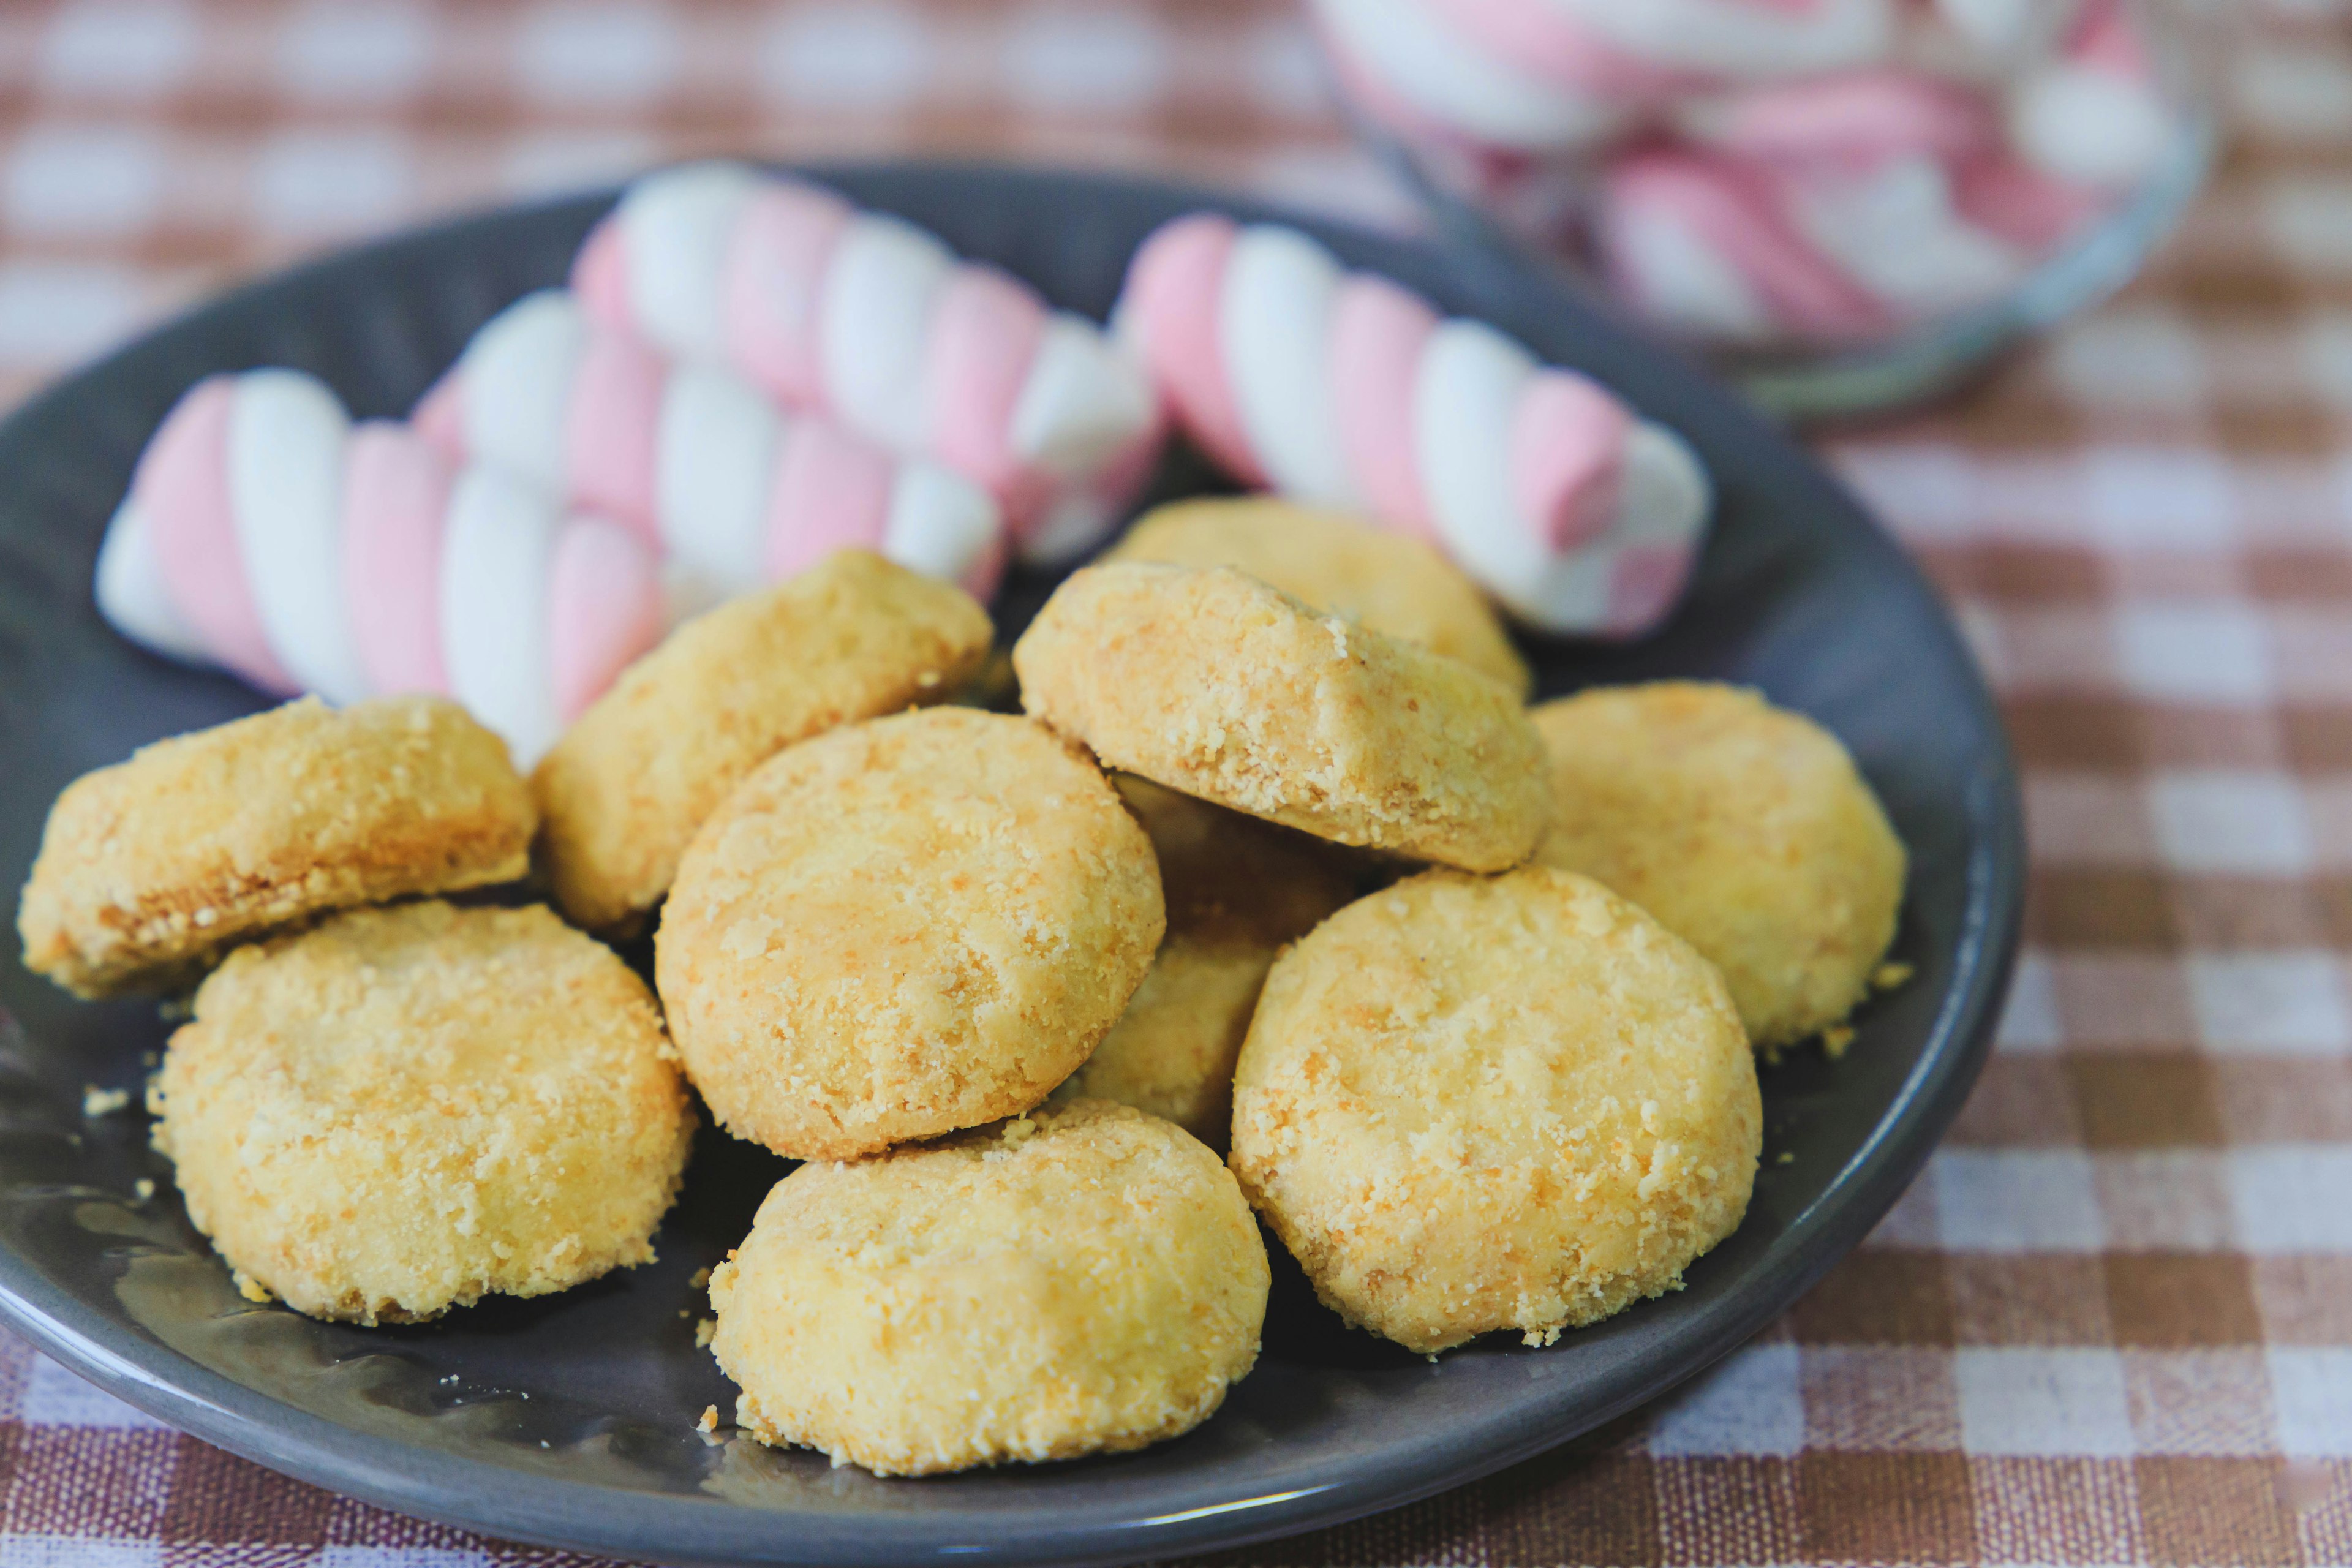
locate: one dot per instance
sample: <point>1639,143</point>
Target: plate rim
<point>583,1516</point>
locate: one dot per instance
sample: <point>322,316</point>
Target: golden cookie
<point>901,928</point>
<point>1743,828</point>
<point>1238,890</point>
<point>1392,582</point>
<point>853,638</point>
<point>149,867</point>
<point>1213,683</point>
<point>1085,1281</point>
<point>1517,1103</point>
<point>404,1110</point>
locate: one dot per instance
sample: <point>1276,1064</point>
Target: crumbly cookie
<point>1743,827</point>
<point>901,928</point>
<point>403,1109</point>
<point>149,867</point>
<point>854,638</point>
<point>1472,1104</point>
<point>1238,890</point>
<point>1083,1280</point>
<point>1215,684</point>
<point>1392,582</point>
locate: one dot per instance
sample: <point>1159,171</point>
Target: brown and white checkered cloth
<point>2113,1323</point>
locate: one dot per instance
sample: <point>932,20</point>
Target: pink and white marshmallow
<point>1839,248</point>
<point>1551,76</point>
<point>266,533</point>
<point>2094,115</point>
<point>1346,390</point>
<point>704,465</point>
<point>876,322</point>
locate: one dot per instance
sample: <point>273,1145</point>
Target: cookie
<point>149,868</point>
<point>1394,582</point>
<point>1473,1104</point>
<point>1083,1280</point>
<point>623,790</point>
<point>1742,826</point>
<point>404,1110</point>
<point>901,928</point>
<point>1238,890</point>
<point>1212,682</point>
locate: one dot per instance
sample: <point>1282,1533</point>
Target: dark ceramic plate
<point>569,1420</point>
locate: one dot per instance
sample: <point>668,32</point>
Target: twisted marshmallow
<point>1549,75</point>
<point>874,321</point>
<point>1345,390</point>
<point>1834,210</point>
<point>2094,115</point>
<point>706,468</point>
<point>266,533</point>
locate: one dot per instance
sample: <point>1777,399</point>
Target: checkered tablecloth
<point>2113,1323</point>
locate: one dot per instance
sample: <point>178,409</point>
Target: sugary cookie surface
<point>1469,1104</point>
<point>403,1109</point>
<point>1394,582</point>
<point>149,867</point>
<point>853,638</point>
<point>1742,826</point>
<point>1215,684</point>
<point>904,927</point>
<point>1083,1280</point>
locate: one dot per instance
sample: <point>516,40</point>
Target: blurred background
<point>155,147</point>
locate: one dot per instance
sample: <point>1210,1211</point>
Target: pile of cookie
<point>1275,862</point>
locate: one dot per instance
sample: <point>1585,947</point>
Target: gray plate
<point>569,1420</point>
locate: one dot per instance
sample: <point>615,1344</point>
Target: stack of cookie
<point>1276,861</point>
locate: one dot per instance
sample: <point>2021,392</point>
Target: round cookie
<point>1743,827</point>
<point>1215,684</point>
<point>904,927</point>
<point>1473,1104</point>
<point>1397,585</point>
<point>403,1109</point>
<point>149,867</point>
<point>1238,890</point>
<point>1087,1280</point>
<point>620,794</point>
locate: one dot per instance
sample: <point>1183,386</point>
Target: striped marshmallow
<point>1346,391</point>
<point>266,533</point>
<point>702,463</point>
<point>873,321</point>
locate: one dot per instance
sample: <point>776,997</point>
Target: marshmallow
<point>702,463</point>
<point>2093,116</point>
<point>1854,122</point>
<point>1705,245</point>
<point>266,533</point>
<point>873,321</point>
<point>1344,389</point>
<point>1428,70</point>
<point>1740,251</point>
<point>1740,39</point>
<point>1768,173</point>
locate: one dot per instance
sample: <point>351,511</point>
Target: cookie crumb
<point>710,1422</point>
<point>1836,1038</point>
<point>1785,1157</point>
<point>142,1189</point>
<point>250,1288</point>
<point>1889,975</point>
<point>700,1278</point>
<point>97,1101</point>
<point>704,1332</point>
